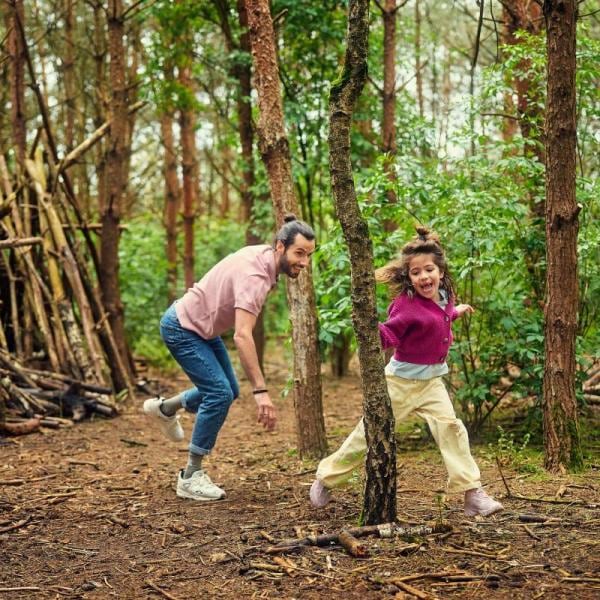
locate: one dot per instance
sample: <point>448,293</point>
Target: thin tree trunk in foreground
<point>380,490</point>
<point>275,151</point>
<point>561,430</point>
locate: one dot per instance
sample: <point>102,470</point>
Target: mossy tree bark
<point>561,430</point>
<point>380,490</point>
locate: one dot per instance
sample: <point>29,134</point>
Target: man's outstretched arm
<point>244,342</point>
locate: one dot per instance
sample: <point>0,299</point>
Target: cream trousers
<point>429,400</point>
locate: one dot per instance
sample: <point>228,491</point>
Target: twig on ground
<point>16,525</point>
<point>413,591</point>
<point>159,590</point>
<point>531,534</point>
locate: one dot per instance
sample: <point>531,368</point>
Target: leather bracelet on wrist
<point>260,391</point>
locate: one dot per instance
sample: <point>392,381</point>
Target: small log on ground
<point>20,428</point>
<point>352,545</point>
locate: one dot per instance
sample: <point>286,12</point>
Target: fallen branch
<point>73,461</point>
<point>529,518</point>
<point>352,546</point>
<point>16,525</point>
<point>386,530</point>
<point>22,428</point>
<point>510,494</point>
<point>531,534</point>
<point>413,591</point>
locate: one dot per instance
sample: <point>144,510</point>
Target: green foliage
<point>143,275</point>
<point>510,453</point>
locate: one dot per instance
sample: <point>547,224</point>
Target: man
<point>229,296</point>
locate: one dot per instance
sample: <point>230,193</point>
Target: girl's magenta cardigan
<point>418,329</point>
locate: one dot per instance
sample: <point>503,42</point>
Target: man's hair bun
<point>289,217</point>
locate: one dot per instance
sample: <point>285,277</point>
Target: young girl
<point>419,330</point>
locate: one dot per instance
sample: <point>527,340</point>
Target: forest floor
<point>90,512</point>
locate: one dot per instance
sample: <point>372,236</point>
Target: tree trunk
<point>561,430</point>
<point>172,201</point>
<point>101,116</point>
<point>189,162</point>
<point>69,75</point>
<point>225,158</point>
<point>243,74</point>
<point>274,148</point>
<point>340,356</point>
<point>111,214</point>
<point>15,27</point>
<point>15,22</point>
<point>380,490</point>
<point>418,66</point>
<point>525,15</point>
<point>389,99</point>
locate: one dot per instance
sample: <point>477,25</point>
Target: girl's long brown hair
<point>395,273</point>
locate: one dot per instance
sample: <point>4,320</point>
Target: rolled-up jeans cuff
<point>197,450</point>
<point>184,402</point>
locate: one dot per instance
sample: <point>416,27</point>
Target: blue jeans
<point>207,364</point>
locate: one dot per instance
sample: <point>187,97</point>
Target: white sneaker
<point>198,487</point>
<point>170,426</point>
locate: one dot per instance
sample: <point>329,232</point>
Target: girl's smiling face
<point>425,276</point>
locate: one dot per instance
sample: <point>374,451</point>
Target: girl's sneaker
<point>477,502</point>
<point>319,494</point>
<point>198,487</point>
<point>170,426</point>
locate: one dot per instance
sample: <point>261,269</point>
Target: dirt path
<point>90,512</point>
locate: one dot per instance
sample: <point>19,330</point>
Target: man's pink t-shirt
<point>241,280</point>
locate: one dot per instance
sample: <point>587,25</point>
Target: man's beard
<point>285,267</point>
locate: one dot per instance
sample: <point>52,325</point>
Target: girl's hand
<point>461,309</point>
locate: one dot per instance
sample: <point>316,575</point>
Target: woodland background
<point>156,99</point>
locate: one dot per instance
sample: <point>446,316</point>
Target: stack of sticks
<point>31,398</point>
<point>51,315</point>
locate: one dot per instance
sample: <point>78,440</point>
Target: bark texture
<point>243,74</point>
<point>15,24</point>
<point>275,152</point>
<point>189,162</point>
<point>380,490</point>
<point>389,98</point>
<point>172,201</point>
<point>115,185</point>
<point>561,430</point>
